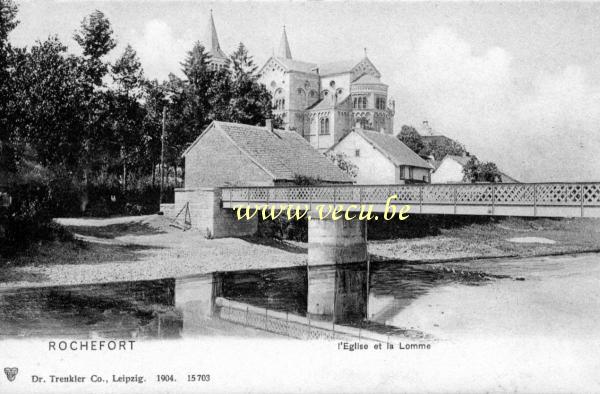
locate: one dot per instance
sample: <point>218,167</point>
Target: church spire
<point>284,46</point>
<point>213,40</point>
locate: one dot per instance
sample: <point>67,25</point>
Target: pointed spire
<point>213,40</point>
<point>284,46</point>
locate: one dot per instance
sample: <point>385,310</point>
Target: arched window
<point>312,93</point>
<point>324,126</point>
<point>325,92</point>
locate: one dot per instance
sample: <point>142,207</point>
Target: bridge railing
<point>489,194</point>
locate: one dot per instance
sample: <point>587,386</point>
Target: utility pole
<point>162,155</point>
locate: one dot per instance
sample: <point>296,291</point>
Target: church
<point>321,102</point>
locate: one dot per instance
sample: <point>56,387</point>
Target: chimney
<point>427,127</point>
<point>269,124</point>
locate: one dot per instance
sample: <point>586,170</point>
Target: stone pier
<point>195,298</point>
<point>333,242</point>
<point>337,293</point>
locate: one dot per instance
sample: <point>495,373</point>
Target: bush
<point>28,219</point>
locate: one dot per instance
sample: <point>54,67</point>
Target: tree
<point>8,21</point>
<point>127,73</point>
<point>476,171</point>
<point>411,138</point>
<point>341,160</point>
<point>95,38</point>
<point>443,147</point>
<point>49,104</point>
<point>249,102</point>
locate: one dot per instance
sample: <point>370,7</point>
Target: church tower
<point>284,47</point>
<point>218,58</point>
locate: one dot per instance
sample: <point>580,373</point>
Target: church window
<point>325,92</point>
<point>360,102</point>
<point>339,91</point>
<point>312,93</point>
<point>324,126</point>
<point>332,84</point>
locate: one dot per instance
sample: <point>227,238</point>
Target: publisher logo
<point>11,373</point>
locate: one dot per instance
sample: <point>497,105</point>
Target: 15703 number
<point>198,378</point>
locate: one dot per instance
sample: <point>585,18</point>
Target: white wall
<point>448,172</point>
<point>373,167</point>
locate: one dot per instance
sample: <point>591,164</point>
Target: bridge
<point>497,199</point>
<point>211,210</point>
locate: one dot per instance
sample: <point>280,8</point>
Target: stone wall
<point>206,214</point>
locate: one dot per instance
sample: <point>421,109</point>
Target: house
<point>234,154</point>
<point>382,158</point>
<point>450,170</point>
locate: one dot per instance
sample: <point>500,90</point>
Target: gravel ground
<point>147,247</point>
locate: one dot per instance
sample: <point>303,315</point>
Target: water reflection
<point>359,295</point>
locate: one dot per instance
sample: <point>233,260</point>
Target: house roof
<point>463,160</point>
<point>284,155</point>
<point>391,147</point>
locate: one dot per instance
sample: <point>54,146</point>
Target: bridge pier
<point>333,242</point>
<point>195,298</point>
<point>337,293</point>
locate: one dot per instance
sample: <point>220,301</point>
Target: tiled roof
<point>297,65</point>
<point>340,67</point>
<point>463,160</point>
<point>283,154</point>
<point>394,149</point>
<point>368,79</point>
<point>326,103</point>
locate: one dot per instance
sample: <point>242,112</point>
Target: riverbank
<point>147,247</point>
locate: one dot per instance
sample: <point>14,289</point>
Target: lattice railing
<point>541,194</point>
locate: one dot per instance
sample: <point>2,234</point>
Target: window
<point>324,126</point>
<point>401,172</point>
<point>410,173</point>
<point>312,93</point>
<point>332,84</point>
<point>380,102</point>
<point>279,104</point>
<point>300,92</point>
<point>357,153</point>
<point>359,102</point>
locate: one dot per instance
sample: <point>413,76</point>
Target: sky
<point>517,83</point>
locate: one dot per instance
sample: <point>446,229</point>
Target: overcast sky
<point>517,83</point>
